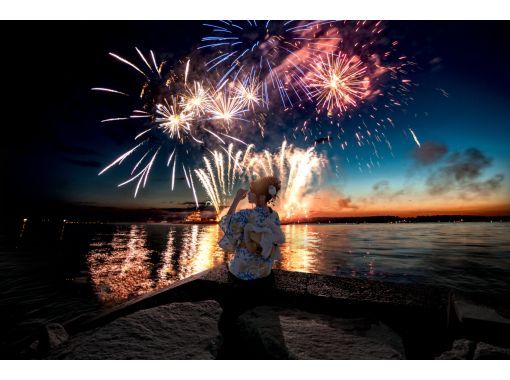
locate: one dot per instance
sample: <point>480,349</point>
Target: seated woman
<point>253,234</point>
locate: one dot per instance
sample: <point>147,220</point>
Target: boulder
<point>56,335</point>
<point>461,349</point>
<point>486,351</point>
<point>174,331</point>
<point>52,336</point>
<point>279,333</point>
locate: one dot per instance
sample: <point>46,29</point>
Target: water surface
<point>56,274</point>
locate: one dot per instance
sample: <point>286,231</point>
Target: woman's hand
<point>241,194</point>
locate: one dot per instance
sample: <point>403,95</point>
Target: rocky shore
<point>306,316</point>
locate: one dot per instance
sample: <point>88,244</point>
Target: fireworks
<point>249,91</point>
<point>356,89</point>
<point>180,109</point>
<point>226,108</point>
<point>276,50</point>
<point>173,119</point>
<point>415,138</point>
<point>338,82</point>
<point>343,70</point>
<point>196,99</point>
<point>299,171</point>
<point>171,113</point>
<point>219,178</point>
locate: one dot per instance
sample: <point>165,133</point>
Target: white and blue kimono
<point>259,227</point>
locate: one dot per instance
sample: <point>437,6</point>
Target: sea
<point>53,273</point>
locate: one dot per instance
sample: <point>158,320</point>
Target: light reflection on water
<point>301,249</point>
<point>142,258</point>
<point>126,261</point>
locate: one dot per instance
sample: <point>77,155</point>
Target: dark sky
<point>53,144</point>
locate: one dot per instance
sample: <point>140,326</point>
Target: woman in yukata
<point>254,235</point>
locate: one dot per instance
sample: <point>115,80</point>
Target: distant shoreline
<point>316,220</point>
<point>402,220</point>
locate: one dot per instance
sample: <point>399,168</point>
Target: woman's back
<point>254,235</point>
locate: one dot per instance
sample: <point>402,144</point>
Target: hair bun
<point>267,186</point>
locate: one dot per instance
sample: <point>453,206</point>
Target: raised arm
<point>232,224</point>
<point>241,193</point>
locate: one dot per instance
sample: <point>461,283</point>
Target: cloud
<point>68,150</point>
<point>328,201</point>
<point>85,163</point>
<point>462,172</point>
<point>345,203</point>
<point>192,203</point>
<point>322,140</point>
<point>429,152</point>
<point>75,149</point>
<point>382,189</point>
<point>488,186</point>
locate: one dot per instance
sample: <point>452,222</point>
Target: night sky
<point>53,144</point>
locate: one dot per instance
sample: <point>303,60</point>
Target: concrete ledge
<point>310,289</point>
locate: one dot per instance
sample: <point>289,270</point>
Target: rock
<point>174,331</point>
<point>54,334</point>
<point>34,346</point>
<point>280,333</point>
<point>32,351</point>
<point>461,349</point>
<point>467,309</point>
<point>486,351</point>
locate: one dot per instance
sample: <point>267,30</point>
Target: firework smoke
<point>345,70</point>
<point>276,50</point>
<point>221,174</point>
<point>181,111</point>
<point>299,170</point>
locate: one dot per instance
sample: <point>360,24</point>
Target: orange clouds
<point>383,200</point>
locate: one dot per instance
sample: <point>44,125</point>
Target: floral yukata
<point>248,229</point>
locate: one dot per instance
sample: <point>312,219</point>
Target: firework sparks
<point>277,50</point>
<point>415,138</point>
<point>173,119</point>
<point>176,105</point>
<point>298,169</point>
<point>108,90</point>
<point>123,60</point>
<point>218,181</point>
<point>142,175</point>
<point>345,69</point>
<point>226,108</point>
<point>342,69</point>
<point>338,82</point>
<point>179,104</point>
<point>354,87</point>
<point>196,99</point>
<point>120,159</point>
<point>249,90</point>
